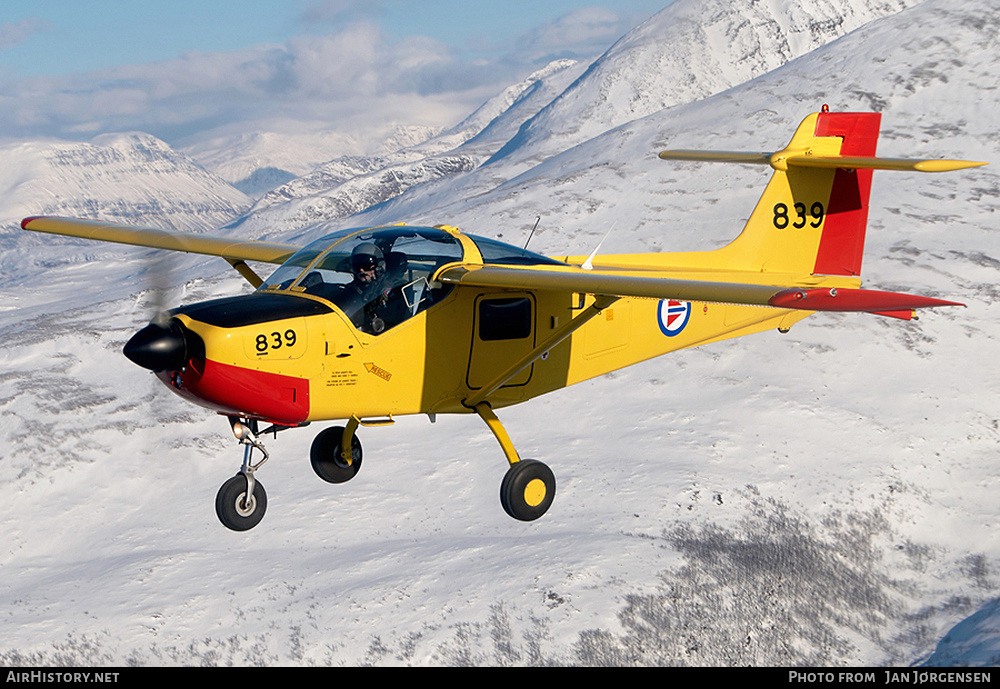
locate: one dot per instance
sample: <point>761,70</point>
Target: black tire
<point>527,490</point>
<point>326,459</point>
<point>231,504</point>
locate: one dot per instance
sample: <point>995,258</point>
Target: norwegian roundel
<point>673,316</point>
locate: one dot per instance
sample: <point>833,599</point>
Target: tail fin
<point>813,214</point>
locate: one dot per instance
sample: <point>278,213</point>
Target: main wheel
<point>326,459</point>
<point>234,510</point>
<point>527,490</point>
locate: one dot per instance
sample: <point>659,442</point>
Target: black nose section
<point>159,347</point>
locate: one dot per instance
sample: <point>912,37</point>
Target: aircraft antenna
<point>589,263</point>
<point>532,233</point>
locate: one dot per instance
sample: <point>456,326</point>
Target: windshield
<point>378,277</point>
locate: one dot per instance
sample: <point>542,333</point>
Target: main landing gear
<point>526,491</point>
<point>528,487</point>
<point>330,458</point>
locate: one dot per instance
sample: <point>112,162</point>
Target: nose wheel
<point>236,510</point>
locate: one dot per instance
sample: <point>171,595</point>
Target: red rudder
<point>842,245</point>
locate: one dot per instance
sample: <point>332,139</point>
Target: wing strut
<point>246,271</point>
<point>601,302</point>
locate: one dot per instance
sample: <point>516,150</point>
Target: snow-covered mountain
<point>824,497</point>
<point>130,177</point>
<point>240,157</point>
<point>261,160</point>
<point>687,52</point>
<point>886,66</point>
<point>349,184</point>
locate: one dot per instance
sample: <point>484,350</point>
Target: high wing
<point>607,282</point>
<point>228,248</point>
<point>236,251</point>
<point>810,294</point>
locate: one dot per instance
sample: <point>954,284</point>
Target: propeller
<point>163,344</point>
<point>158,278</point>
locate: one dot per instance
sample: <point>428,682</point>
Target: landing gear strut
<point>242,501</point>
<point>529,486</point>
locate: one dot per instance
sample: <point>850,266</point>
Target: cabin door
<point>503,332</point>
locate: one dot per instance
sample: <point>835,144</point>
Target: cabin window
<point>505,319</point>
<point>494,251</point>
<point>378,277</point>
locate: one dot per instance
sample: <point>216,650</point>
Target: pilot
<point>367,266</point>
<point>367,299</point>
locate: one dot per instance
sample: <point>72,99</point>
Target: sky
<point>177,68</point>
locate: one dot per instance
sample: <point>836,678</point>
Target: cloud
<point>353,73</point>
<point>15,33</point>
<point>582,32</point>
<point>352,76</point>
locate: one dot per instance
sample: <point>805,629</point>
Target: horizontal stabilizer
<point>717,156</point>
<point>875,163</point>
<point>782,160</point>
<point>891,304</point>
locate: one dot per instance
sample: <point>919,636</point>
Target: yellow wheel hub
<point>534,492</point>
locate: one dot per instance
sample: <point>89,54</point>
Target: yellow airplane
<point>366,325</point>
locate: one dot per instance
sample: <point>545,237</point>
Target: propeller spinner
<point>159,347</point>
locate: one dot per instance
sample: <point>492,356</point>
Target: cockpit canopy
<point>379,277</point>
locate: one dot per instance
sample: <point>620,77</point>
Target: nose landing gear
<point>242,500</point>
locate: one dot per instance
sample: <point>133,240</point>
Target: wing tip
<point>29,220</point>
<point>846,299</point>
<point>947,165</point>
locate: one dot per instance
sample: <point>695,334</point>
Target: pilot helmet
<point>367,257</point>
